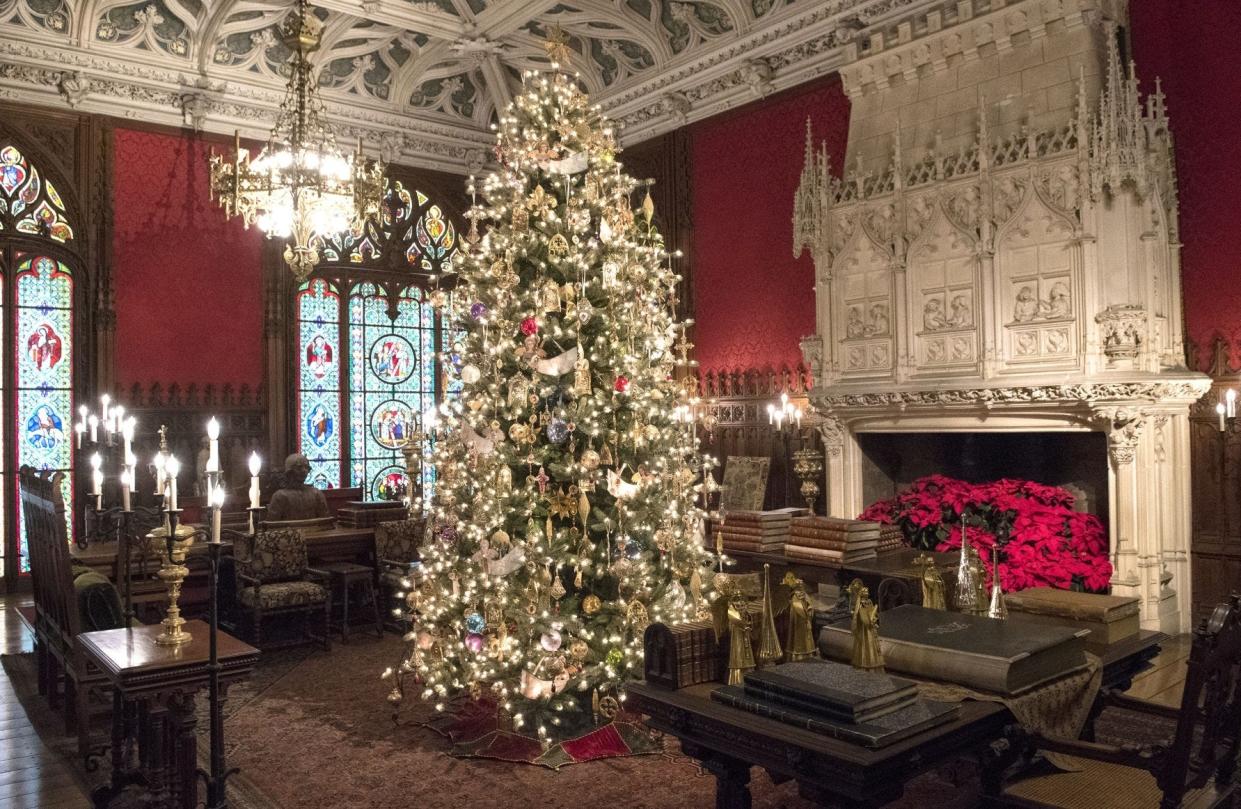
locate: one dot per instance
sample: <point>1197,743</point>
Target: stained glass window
<point>29,203</point>
<point>367,303</point>
<point>44,374</point>
<point>319,392</point>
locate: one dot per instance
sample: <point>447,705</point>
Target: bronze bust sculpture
<point>297,500</point>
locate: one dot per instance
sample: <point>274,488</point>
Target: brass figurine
<point>740,644</point>
<point>799,637</point>
<point>933,597</point>
<point>866,652</point>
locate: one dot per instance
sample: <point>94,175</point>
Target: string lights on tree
<point>571,494</point>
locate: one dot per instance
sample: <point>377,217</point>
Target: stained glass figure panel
<point>319,381</point>
<point>392,381</point>
<point>28,202</point>
<point>44,377</point>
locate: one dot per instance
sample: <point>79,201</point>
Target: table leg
<point>184,750</point>
<point>122,776</point>
<point>732,782</point>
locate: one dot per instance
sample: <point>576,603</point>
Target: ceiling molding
<point>214,65</point>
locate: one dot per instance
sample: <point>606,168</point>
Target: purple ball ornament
<point>478,310</point>
<point>474,642</point>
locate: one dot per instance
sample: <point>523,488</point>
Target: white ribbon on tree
<point>558,365</point>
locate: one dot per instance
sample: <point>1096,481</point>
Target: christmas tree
<point>567,513</point>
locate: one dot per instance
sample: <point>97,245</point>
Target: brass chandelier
<point>301,183</point>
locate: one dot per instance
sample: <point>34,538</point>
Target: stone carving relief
<point>812,354</point>
<point>1060,188</point>
<point>964,209</point>
<point>1028,307</point>
<point>882,226</point>
<point>868,321</point>
<point>919,211</point>
<point>1125,427</point>
<point>957,314</point>
<point>1122,331</point>
<point>1009,191</point>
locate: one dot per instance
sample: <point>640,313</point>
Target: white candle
<point>79,429</point>
<point>171,468</point>
<point>105,399</point>
<point>1230,397</point>
<point>83,411</point>
<point>1219,410</point>
<point>127,436</point>
<point>256,463</point>
<point>118,416</point>
<point>213,452</point>
<point>94,428</point>
<point>771,414</point>
<point>96,464</point>
<point>217,507</point>
<point>127,482</point>
<point>160,463</point>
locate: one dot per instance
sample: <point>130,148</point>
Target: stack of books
<point>685,654</point>
<point>757,531</point>
<point>1109,619</point>
<point>1003,657</point>
<point>368,514</point>
<point>870,708</point>
<point>891,538</point>
<point>831,541</point>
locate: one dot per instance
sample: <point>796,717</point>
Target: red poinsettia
<point>1042,541</point>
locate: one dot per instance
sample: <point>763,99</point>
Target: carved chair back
<point>397,541</point>
<point>1208,730</point>
<point>51,567</point>
<point>277,555</point>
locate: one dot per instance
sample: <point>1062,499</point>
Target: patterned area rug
<point>312,729</point>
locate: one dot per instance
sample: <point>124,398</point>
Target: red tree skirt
<point>476,730</point>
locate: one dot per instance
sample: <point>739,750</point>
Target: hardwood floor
<point>32,776</point>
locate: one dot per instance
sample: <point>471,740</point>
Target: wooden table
<point>159,684</point>
<point>728,742</point>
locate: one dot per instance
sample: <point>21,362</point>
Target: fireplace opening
<point>1076,461</point>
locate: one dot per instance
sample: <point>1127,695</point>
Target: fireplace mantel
<point>1002,254</point>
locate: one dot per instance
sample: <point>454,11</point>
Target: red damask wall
<point>1194,52</point>
<point>754,301</point>
<point>189,304</point>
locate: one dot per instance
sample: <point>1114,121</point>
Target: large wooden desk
<point>728,741</point>
<point>163,681</point>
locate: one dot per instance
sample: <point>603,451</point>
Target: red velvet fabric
<point>1195,54</point>
<point>754,302</point>
<point>189,305</point>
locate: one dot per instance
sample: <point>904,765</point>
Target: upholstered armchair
<point>275,578</point>
<point>396,551</point>
<point>1194,763</point>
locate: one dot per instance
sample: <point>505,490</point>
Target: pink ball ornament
<point>474,642</point>
<point>529,326</point>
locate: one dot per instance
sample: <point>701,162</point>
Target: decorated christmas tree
<point>567,513</point>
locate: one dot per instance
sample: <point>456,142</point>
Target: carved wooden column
<point>277,351</point>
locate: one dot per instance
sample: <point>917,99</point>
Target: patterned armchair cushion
<point>283,594</point>
<point>398,540</point>
<point>277,556</point>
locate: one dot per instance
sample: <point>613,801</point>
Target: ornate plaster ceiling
<point>420,80</point>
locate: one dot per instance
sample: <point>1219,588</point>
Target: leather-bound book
<point>1003,657</point>
<point>835,689</point>
<point>680,655</point>
<point>1109,618</point>
<point>915,717</point>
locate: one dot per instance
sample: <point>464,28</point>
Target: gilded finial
<point>557,45</point>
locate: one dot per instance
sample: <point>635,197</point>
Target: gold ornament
<point>581,374</point>
<point>637,617</point>
<point>648,206</point>
<point>518,432</point>
<point>591,604</point>
<point>578,650</point>
<point>557,45</point>
<point>558,246</point>
<point>583,506</point>
<point>504,479</point>
<point>605,457</point>
<point>590,460</point>
<point>540,199</point>
<point>561,504</point>
<point>551,297</point>
<point>521,220</point>
<point>611,272</point>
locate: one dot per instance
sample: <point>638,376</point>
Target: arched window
<point>370,324</point>
<point>36,308</point>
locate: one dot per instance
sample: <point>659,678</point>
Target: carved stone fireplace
<point>1002,257</point>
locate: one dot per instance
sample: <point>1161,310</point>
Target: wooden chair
<point>1195,769</point>
<point>58,618</point>
<point>396,550</point>
<point>274,577</point>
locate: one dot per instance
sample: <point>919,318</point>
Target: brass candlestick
<point>173,546</point>
<point>808,466</point>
